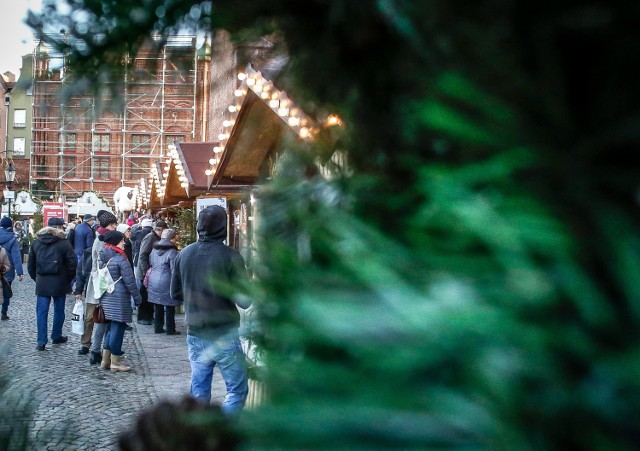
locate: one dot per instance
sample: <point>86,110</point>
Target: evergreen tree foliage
<point>475,282</point>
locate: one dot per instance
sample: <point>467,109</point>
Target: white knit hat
<point>122,228</point>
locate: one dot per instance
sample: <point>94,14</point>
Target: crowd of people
<point>149,274</point>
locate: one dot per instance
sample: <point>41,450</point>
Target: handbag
<point>98,315</point>
<point>77,318</point>
<point>7,292</point>
<point>145,282</point>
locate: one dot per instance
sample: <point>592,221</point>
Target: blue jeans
<point>5,303</point>
<point>42,315</point>
<point>99,332</point>
<point>225,352</point>
<point>114,336</point>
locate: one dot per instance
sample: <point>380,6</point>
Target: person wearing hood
<point>210,278</point>
<point>162,259</point>
<point>117,304</point>
<point>52,264</point>
<point>11,246</point>
<point>145,311</point>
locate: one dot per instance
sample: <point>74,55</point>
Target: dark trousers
<point>145,310</point>
<point>164,313</point>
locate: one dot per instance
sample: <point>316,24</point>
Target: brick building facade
<point>88,144</point>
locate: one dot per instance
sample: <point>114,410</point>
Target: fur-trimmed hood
<point>50,231</point>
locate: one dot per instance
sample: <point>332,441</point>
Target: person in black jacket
<point>52,264</point>
<point>203,274</point>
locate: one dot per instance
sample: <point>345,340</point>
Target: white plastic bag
<point>77,318</point>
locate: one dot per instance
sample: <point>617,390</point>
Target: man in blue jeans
<point>11,246</point>
<point>206,275</point>
<point>52,264</point>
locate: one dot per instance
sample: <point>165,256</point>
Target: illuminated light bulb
<point>221,136</point>
<point>232,108</point>
<point>207,172</point>
<point>238,92</point>
<point>211,161</point>
<point>294,121</point>
<point>184,185</point>
<point>284,103</point>
<point>304,132</point>
<point>168,161</point>
<point>283,111</point>
<point>258,87</point>
<point>274,103</point>
<point>264,95</point>
<point>242,76</point>
<point>333,119</point>
<point>227,123</point>
<point>217,149</point>
<point>251,81</point>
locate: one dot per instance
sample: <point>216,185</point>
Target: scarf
<point>115,248</point>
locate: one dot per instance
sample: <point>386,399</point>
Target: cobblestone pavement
<point>78,406</point>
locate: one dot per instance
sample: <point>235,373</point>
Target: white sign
<point>203,203</point>
<point>9,194</point>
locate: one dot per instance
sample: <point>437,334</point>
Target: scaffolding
<point>76,148</point>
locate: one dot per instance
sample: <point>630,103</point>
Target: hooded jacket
<point>162,261</point>
<point>206,276</point>
<point>117,304</point>
<point>11,246</point>
<point>52,263</point>
<point>83,238</point>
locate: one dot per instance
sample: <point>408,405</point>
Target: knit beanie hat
<point>6,222</point>
<point>147,222</point>
<point>168,234</point>
<point>113,237</point>
<point>122,228</point>
<point>105,218</point>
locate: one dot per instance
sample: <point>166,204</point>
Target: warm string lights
<point>172,157</point>
<point>276,100</point>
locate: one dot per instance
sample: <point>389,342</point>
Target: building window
<point>141,143</point>
<point>18,146</point>
<point>69,166</point>
<point>101,168</point>
<point>20,118</point>
<point>101,143</point>
<point>70,142</point>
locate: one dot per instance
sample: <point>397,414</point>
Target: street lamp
<point>10,176</point>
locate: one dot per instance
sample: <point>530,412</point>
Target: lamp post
<point>10,176</point>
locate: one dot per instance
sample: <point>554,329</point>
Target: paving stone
<point>78,406</point>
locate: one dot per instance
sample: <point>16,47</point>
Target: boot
<point>106,359</point>
<point>95,358</point>
<point>117,365</point>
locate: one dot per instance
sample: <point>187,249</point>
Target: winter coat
<point>206,276</point>
<point>52,263</point>
<point>117,304</point>
<point>83,272</point>
<point>95,251</point>
<point>128,249</point>
<point>83,238</point>
<point>162,259</point>
<point>12,247</point>
<point>143,256</point>
<point>137,236</point>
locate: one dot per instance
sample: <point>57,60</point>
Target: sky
<point>16,38</point>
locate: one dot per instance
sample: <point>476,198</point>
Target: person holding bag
<point>117,303</point>
<point>9,242</point>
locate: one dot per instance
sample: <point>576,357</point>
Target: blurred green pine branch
<point>475,282</point>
